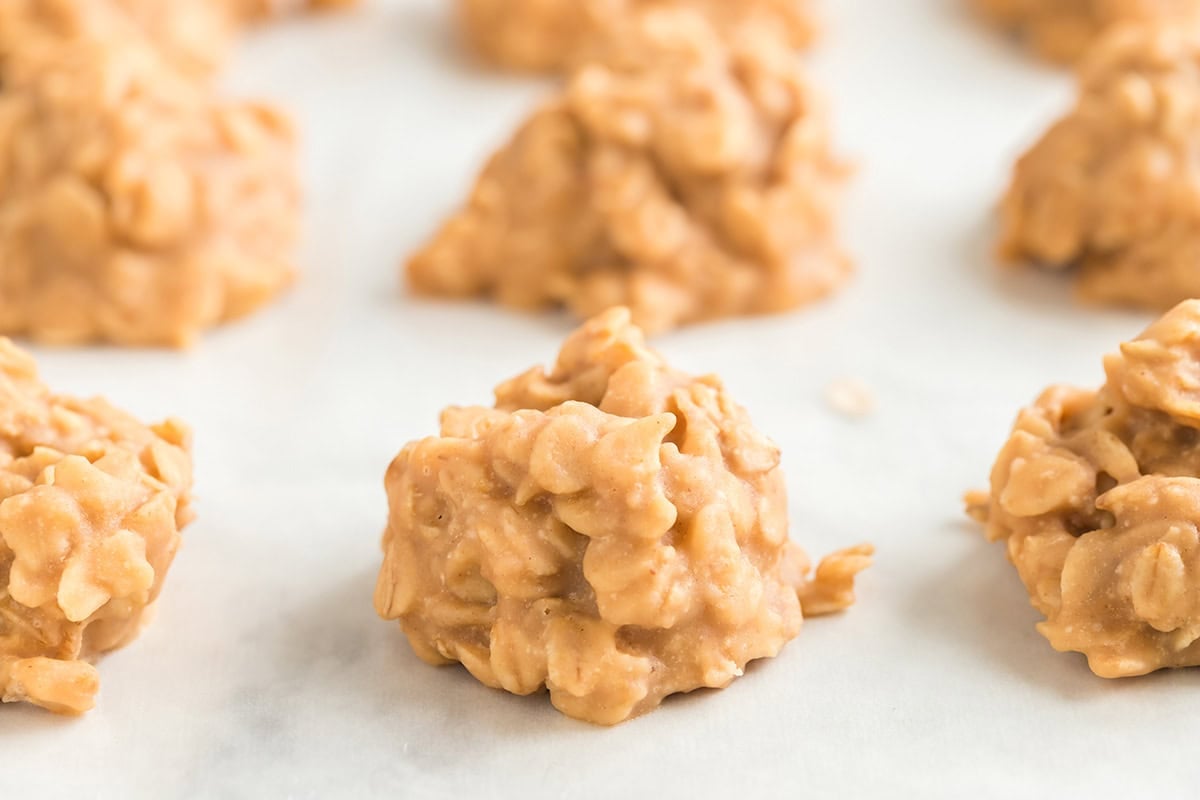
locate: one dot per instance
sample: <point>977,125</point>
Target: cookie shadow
<point>383,679</point>
<point>347,642</point>
<point>1018,283</point>
<point>978,605</point>
<point>988,42</point>
<point>18,720</point>
<point>429,28</point>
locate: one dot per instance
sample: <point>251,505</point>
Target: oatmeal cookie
<point>91,506</point>
<point>1097,497</point>
<point>193,34</point>
<point>135,207</point>
<point>551,35</point>
<point>1063,30</point>
<point>260,9</point>
<point>683,178</point>
<point>1110,191</point>
<point>614,531</point>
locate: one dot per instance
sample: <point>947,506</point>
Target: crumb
<point>850,398</point>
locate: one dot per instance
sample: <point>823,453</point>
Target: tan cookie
<point>613,530</point>
<point>91,506</point>
<point>1063,30</point>
<point>135,207</point>
<point>1097,497</point>
<point>553,35</point>
<point>193,34</point>
<point>682,177</point>
<point>1110,192</point>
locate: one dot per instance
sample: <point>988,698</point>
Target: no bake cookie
<point>193,34</point>
<point>614,531</point>
<point>682,176</point>
<point>1110,192</point>
<point>552,35</point>
<point>1097,497</point>
<point>92,503</point>
<point>135,207</point>
<point>1064,30</point>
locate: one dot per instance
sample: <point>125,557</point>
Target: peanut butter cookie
<point>1097,497</point>
<point>1110,192</point>
<point>681,176</point>
<point>552,35</point>
<point>91,506</point>
<point>135,207</point>
<point>1063,30</point>
<point>614,531</point>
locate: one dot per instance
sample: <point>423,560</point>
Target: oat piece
<point>552,35</point>
<point>684,179</point>
<point>135,207</point>
<point>1064,30</point>
<point>1097,495</point>
<point>615,531</point>
<point>91,506</point>
<point>1110,191</point>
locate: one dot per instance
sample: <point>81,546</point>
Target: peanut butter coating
<point>1097,497</point>
<point>554,35</point>
<point>683,177</point>
<point>92,503</point>
<point>1109,192</point>
<point>135,207</point>
<point>1064,30</point>
<point>614,531</point>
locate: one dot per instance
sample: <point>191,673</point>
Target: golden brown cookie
<point>1110,192</point>
<point>135,207</point>
<point>614,531</point>
<point>193,34</point>
<point>553,35</point>
<point>91,506</point>
<point>1097,496</point>
<point>682,177</point>
<point>1064,30</point>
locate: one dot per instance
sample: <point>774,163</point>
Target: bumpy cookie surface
<point>91,506</point>
<point>1110,191</point>
<point>1097,496</point>
<point>1064,30</point>
<point>552,35</point>
<point>681,177</point>
<point>615,531</point>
